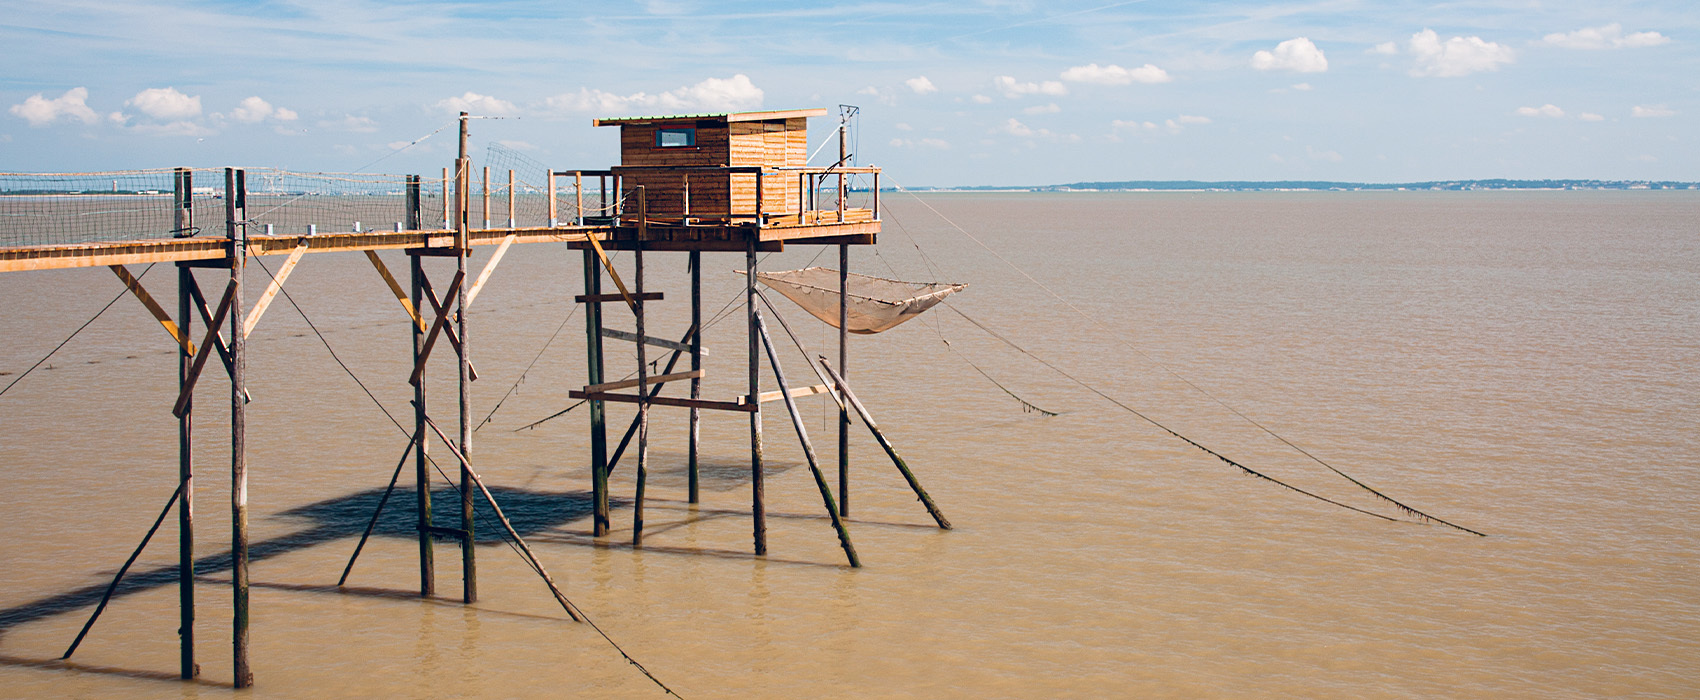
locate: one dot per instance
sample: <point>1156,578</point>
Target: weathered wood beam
<point>666,401</point>
<point>650,340</point>
<point>153,307</point>
<point>628,383</point>
<point>395,288</point>
<point>272,289</point>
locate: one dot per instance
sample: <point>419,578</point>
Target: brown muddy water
<point>1518,363</point>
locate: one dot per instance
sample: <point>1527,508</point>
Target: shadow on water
<point>539,514</point>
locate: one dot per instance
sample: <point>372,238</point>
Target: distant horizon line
<point>1324,185</point>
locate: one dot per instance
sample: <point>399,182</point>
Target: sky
<point>995,92</point>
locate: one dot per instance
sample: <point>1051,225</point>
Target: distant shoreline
<point>1326,186</point>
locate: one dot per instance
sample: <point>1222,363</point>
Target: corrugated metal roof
<point>724,116</point>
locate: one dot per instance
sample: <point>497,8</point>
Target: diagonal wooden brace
<point>609,264</point>
<point>489,267</point>
<point>272,289</point>
<point>395,288</point>
<point>207,345</point>
<point>153,307</point>
<point>436,328</point>
<point>438,306</point>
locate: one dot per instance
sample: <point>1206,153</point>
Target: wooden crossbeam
<point>436,328</point>
<point>601,298</point>
<point>649,340</point>
<point>658,379</point>
<point>666,401</point>
<point>395,288</point>
<point>489,267</point>
<point>767,396</point>
<point>272,289</point>
<point>135,286</point>
<point>188,391</point>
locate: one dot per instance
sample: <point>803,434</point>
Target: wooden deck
<point>659,236</point>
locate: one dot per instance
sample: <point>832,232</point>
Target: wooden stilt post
<point>598,416</point>
<point>843,359</point>
<point>642,372</point>
<point>902,466</point>
<point>808,448</point>
<point>758,506</point>
<point>182,221</point>
<point>696,365</point>
<point>234,206</point>
<point>421,446</point>
<point>469,541</point>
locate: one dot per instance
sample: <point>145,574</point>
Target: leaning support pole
<point>868,420</point>
<point>808,448</point>
<point>120,576</point>
<point>235,189</point>
<point>654,390</point>
<point>524,549</point>
<point>182,221</point>
<point>373,523</point>
<point>463,244</point>
<point>758,508</point>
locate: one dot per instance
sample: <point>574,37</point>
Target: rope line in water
<point>74,333</point>
<point>1160,426</point>
<point>1407,510</point>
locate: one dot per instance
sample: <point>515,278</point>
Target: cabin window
<point>675,138</point>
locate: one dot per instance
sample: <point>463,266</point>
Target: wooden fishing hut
<point>736,183</point>
<point>707,183</point>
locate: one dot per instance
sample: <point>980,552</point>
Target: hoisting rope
<point>1407,510</point>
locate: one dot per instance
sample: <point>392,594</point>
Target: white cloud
<point>981,100</point>
<point>1296,55</point>
<point>732,94</point>
<point>254,109</point>
<point>40,111</point>
<point>1014,127</point>
<point>1013,89</point>
<point>1173,126</point>
<point>363,125</point>
<point>902,126</point>
<point>1590,117</point>
<point>1302,87</point>
<point>1652,111</point>
<point>1386,48</point>
<point>1051,108</point>
<point>1455,57</point>
<point>1115,75</point>
<point>939,144</point>
<point>474,103</point>
<point>921,85</point>
<point>1609,36</point>
<point>1547,111</point>
<point>166,104</point>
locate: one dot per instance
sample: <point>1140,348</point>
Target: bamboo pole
<point>696,365</point>
<point>469,541</point>
<point>447,222</point>
<point>808,447</point>
<point>182,221</point>
<point>758,508</point>
<point>902,466</point>
<point>511,195</point>
<point>234,212</point>
<point>642,371</point>
<point>598,417</point>
<point>485,209</point>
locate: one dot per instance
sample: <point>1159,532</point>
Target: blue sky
<point>959,93</point>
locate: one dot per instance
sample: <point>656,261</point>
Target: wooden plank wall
<point>771,143</point>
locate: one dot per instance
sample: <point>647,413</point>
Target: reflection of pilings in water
<point>335,519</point>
